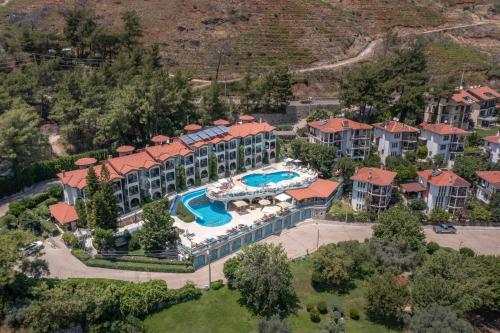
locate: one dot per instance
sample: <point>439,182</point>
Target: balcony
<point>461,192</point>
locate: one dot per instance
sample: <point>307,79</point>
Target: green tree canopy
<point>398,224</point>
<point>157,231</point>
<point>438,319</point>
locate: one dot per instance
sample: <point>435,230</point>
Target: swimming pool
<point>263,179</point>
<point>208,214</point>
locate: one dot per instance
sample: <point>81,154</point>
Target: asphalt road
<point>298,241</point>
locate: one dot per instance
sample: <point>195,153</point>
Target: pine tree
<point>212,167</point>
<point>157,231</point>
<point>92,183</point>
<point>81,211</point>
<point>212,106</point>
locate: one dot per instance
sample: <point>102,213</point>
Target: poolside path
<point>297,241</point>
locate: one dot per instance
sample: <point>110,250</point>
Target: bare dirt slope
<point>257,34</point>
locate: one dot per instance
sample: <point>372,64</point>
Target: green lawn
<point>219,310</point>
<point>484,132</point>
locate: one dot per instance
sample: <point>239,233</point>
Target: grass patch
<point>136,264</point>
<point>220,311</point>
<point>343,210</point>
<point>484,132</point>
<point>183,213</point>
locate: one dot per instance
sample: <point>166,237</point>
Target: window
<point>395,144</point>
<point>204,163</point>
<point>442,147</point>
<point>248,141</point>
<point>397,135</point>
<point>132,178</point>
<point>446,137</point>
<point>203,151</point>
<point>189,159</point>
<point>232,144</point>
<point>133,190</point>
<point>154,172</point>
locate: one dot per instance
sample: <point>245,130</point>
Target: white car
<point>33,247</point>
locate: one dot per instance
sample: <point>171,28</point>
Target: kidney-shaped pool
<point>264,179</point>
<point>208,214</point>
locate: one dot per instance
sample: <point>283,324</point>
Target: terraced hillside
<point>256,34</point>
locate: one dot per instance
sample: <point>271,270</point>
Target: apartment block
<point>352,139</point>
<point>442,139</point>
<point>152,172</point>
<point>372,189</point>
<point>444,189</point>
<point>492,147</point>
<point>393,138</point>
<point>488,185</point>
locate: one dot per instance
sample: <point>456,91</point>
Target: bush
<point>314,315</point>
<point>70,240</point>
<point>50,228</point>
<point>354,314</point>
<point>103,239</point>
<point>134,242</point>
<point>309,307</point>
<point>183,213</point>
<point>338,308</point>
<point>217,284</point>
<point>432,247</point>
<point>468,252</point>
<point>322,307</point>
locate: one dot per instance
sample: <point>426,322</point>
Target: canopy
<point>240,203</point>
<point>282,197</point>
<point>297,161</point>
<point>284,205</point>
<point>288,160</point>
<point>264,202</point>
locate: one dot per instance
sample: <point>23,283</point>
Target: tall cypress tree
<point>92,183</point>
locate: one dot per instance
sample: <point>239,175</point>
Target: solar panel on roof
<point>187,140</point>
<point>211,133</point>
<point>223,128</point>
<point>195,137</point>
<point>203,135</point>
<point>217,130</point>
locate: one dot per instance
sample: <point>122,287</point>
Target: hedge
<point>144,259</point>
<point>131,266</point>
<point>43,170</point>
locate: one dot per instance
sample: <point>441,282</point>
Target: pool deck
<point>245,217</point>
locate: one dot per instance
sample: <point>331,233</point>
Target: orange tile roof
<point>85,161</point>
<point>166,151</point>
<point>493,138</point>
<point>337,125</point>
<point>485,93</point>
<point>321,188</point>
<point>125,149</point>
<point>192,127</point>
<point>492,177</point>
<point>78,178</point>
<point>159,138</point>
<point>444,178</point>
<point>374,176</point>
<point>132,162</point>
<point>220,122</point>
<point>395,127</point>
<point>246,129</point>
<point>462,97</point>
<point>247,118</point>
<point>442,129</point>
<point>63,213</point>
<point>412,187</point>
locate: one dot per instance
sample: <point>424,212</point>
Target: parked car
<point>444,229</point>
<point>33,247</point>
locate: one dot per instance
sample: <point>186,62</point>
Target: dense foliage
<point>157,232</point>
<point>321,158</point>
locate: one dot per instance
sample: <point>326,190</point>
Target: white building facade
<point>372,189</point>
<point>442,139</point>
<point>392,138</point>
<point>488,185</point>
<point>492,147</point>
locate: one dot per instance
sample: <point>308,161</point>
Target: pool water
<point>207,214</point>
<point>263,179</point>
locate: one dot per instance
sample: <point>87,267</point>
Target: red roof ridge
<point>338,125</point>
<point>492,177</point>
<point>375,176</point>
<point>443,177</point>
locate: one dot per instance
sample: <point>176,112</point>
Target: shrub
<point>337,308</point>
<point>134,242</point>
<point>314,315</point>
<point>468,252</point>
<point>217,284</point>
<point>309,307</point>
<point>70,240</point>
<point>322,307</point>
<point>103,239</point>
<point>183,213</point>
<point>354,314</point>
<point>432,247</point>
<point>50,228</point>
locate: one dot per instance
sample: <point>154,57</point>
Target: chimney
<point>370,176</point>
<point>125,150</point>
<point>346,123</point>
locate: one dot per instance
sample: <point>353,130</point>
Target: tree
<point>100,216</point>
<point>439,215</point>
<point>132,28</point>
<point>241,158</point>
<point>101,208</point>
<point>332,267</point>
<point>281,88</point>
<point>346,167</point>
<point>494,207</point>
<point>92,183</point>
<point>400,225</point>
<point>406,171</point>
<point>11,254</point>
<point>417,205</point>
<point>81,211</point>
<point>212,106</point>
<point>386,299</point>
<point>274,325</point>
<point>422,152</point>
<point>467,166</point>
<point>20,140</point>
<point>264,279</point>
<point>438,161</point>
<point>157,231</point>
<point>212,167</point>
<point>79,29</point>
<point>395,257</point>
<point>318,114</point>
<point>438,319</point>
<point>231,266</point>
<point>335,324</point>
<point>474,140</point>
<point>450,279</point>
<point>103,238</point>
<point>180,180</point>
<point>322,158</point>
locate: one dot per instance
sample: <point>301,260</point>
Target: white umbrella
<point>297,161</point>
<point>264,202</point>
<point>284,205</point>
<point>288,160</point>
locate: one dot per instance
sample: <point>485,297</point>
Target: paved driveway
<point>297,241</point>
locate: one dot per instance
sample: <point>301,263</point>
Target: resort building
<point>352,139</point>
<point>444,189</point>
<point>492,147</point>
<point>466,108</point>
<point>152,172</point>
<point>488,185</point>
<point>372,189</point>
<point>442,139</point>
<point>392,138</point>
<point>64,214</point>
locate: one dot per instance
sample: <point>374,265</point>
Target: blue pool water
<point>261,179</point>
<point>207,214</point>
